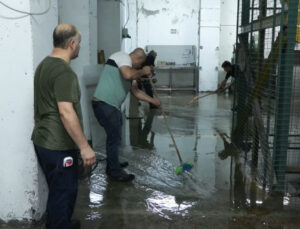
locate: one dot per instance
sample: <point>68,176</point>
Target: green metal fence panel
<point>266,110</point>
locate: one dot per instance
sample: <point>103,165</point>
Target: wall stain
<point>175,20</point>
<point>148,13</point>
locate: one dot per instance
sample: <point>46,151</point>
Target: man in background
<point>57,134</point>
<point>234,71</point>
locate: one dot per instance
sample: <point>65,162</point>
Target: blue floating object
<point>184,167</point>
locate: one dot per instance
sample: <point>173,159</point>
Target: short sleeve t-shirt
<point>54,82</point>
<point>235,73</point>
<point>112,87</point>
<point>121,59</point>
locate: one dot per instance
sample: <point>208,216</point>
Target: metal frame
<point>171,69</point>
<point>284,95</point>
<point>281,57</point>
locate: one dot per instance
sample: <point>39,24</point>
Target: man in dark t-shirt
<point>57,134</point>
<point>233,70</point>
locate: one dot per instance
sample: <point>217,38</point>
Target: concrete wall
<point>110,17</point>
<point>23,43</point>
<point>131,44</point>
<point>209,25</point>
<point>151,23</point>
<point>123,20</point>
<point>157,19</point>
<point>209,44</point>
<point>83,14</point>
<point>227,32</point>
<point>217,37</point>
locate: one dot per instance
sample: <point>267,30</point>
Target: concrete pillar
<point>209,44</point>
<point>24,42</point>
<point>110,22</point>
<point>227,33</point>
<point>82,14</point>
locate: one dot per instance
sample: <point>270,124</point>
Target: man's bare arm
<point>71,123</point>
<point>130,73</point>
<point>143,96</point>
<point>222,85</point>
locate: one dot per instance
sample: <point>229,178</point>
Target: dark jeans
<point>62,183</point>
<point>111,119</point>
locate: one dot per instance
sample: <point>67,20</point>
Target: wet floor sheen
<point>215,194</point>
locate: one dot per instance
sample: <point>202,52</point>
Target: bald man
<point>57,134</point>
<point>117,79</point>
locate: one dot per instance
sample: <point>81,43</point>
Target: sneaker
<point>124,164</point>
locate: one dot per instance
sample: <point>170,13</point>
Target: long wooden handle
<point>172,136</point>
<point>212,93</point>
<point>168,126</point>
<point>199,97</point>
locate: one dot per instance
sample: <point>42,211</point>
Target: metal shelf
<point>171,69</point>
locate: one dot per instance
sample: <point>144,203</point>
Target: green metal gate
<point>266,112</point>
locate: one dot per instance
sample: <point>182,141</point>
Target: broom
<point>184,166</point>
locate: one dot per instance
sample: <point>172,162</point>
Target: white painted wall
<point>82,14</point>
<point>151,22</point>
<point>23,43</point>
<point>209,44</point>
<point>227,32</point>
<point>156,19</point>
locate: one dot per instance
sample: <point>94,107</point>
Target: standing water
<point>214,194</point>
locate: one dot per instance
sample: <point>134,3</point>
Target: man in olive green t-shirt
<point>57,134</point>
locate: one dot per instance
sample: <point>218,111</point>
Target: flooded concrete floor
<point>215,194</point>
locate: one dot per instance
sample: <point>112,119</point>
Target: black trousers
<point>63,186</point>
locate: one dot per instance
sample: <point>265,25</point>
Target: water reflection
<point>246,192</point>
<point>164,204</point>
<point>216,194</point>
<point>139,131</point>
<point>114,205</point>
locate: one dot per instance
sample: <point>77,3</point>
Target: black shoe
<point>124,164</point>
<point>75,224</point>
<point>122,177</point>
